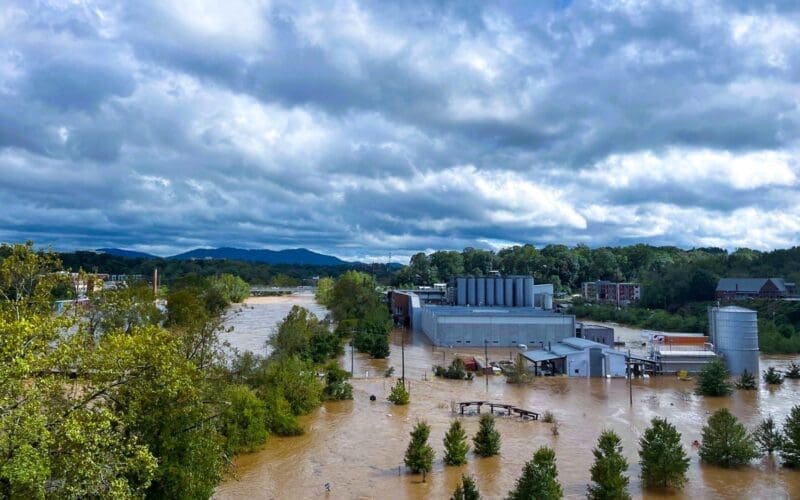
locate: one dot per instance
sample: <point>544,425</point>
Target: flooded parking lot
<point>358,445</point>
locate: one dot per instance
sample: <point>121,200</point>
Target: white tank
<point>734,333</point>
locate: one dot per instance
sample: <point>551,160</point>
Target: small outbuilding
<point>578,357</point>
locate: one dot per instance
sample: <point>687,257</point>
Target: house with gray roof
<point>753,288</point>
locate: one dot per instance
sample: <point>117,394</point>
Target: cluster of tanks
<point>497,291</point>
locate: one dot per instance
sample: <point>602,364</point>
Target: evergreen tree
<point>790,451</point>
<point>793,372</point>
<point>466,490</point>
<point>399,394</point>
<point>713,379</point>
<point>539,478</point>
<point>773,376</point>
<point>747,381</point>
<point>768,436</point>
<point>726,442</point>
<point>664,461</point>
<point>487,440</point>
<point>419,454</point>
<point>608,471</point>
<point>455,444</point>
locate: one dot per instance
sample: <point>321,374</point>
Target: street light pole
<point>403,356</point>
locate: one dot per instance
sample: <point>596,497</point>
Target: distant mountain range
<point>290,256</point>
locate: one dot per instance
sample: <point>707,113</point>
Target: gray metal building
<point>500,327</point>
<point>733,331</point>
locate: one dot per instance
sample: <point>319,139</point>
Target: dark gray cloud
<point>364,128</point>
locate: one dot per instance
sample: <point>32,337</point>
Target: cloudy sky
<point>362,129</point>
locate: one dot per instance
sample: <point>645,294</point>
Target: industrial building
<point>501,291</point>
<point>577,357</point>
<point>733,331</point>
<point>498,327</point>
<point>596,333</point>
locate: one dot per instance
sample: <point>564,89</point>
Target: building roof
<point>566,347</point>
<point>748,285</point>
<point>539,356</point>
<point>581,344</point>
<point>737,309</point>
<point>481,311</point>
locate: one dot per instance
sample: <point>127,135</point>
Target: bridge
<point>266,291</point>
<point>503,409</point>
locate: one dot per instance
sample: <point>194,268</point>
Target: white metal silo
<point>734,333</point>
<point>461,291</point>
<point>480,289</point>
<point>490,290</point>
<point>499,289</point>
<point>519,293</point>
<point>509,291</point>
<point>528,291</point>
<point>471,299</point>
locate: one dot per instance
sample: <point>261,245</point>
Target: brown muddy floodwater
<point>358,445</point>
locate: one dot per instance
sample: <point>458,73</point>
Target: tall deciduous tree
<point>726,441</point>
<point>539,478</point>
<point>662,457</point>
<point>608,470</point>
<point>455,444</point>
<point>419,454</point>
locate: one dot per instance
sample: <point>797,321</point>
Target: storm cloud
<point>368,128</point>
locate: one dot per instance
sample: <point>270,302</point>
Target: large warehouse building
<point>499,327</point>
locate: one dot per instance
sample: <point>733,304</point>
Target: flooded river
<point>358,445</point>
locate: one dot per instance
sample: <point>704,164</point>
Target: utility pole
<point>352,373</point>
<point>630,378</point>
<point>403,356</point>
<point>486,357</point>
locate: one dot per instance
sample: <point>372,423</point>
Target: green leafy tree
<point>713,379</point>
<point>419,454</point>
<point>520,373</point>
<point>455,444</point>
<point>324,293</point>
<point>487,439</point>
<point>297,382</point>
<point>790,451</point>
<point>399,394</point>
<point>243,420</point>
<point>608,470</point>
<point>539,478</point>
<point>773,376</point>
<point>768,436</point>
<point>662,457</point>
<point>747,381</point>
<point>336,385</point>
<point>726,442</point>
<point>466,489</point>
<point>793,371</point>
<point>233,288</point>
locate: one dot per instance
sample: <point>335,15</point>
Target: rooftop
<point>489,311</point>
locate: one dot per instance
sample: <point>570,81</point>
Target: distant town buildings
<point>754,288</point>
<point>621,294</point>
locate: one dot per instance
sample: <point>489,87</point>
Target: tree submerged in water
<point>608,471</point>
<point>773,376</point>
<point>664,461</point>
<point>455,444</point>
<point>419,454</point>
<point>747,381</point>
<point>399,394</point>
<point>487,440</point>
<point>519,373</point>
<point>790,447</point>
<point>768,436</point>
<point>713,379</point>
<point>793,372</point>
<point>466,490</point>
<point>539,478</point>
<point>726,442</point>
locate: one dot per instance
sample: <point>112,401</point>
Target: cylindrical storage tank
<point>499,288</point>
<point>490,291</point>
<point>528,291</point>
<point>461,291</point>
<point>735,337</point>
<point>471,299</point>
<point>519,294</point>
<point>480,284</point>
<point>509,291</point>
<point>548,302</point>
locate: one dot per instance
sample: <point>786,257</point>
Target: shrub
<point>773,376</point>
<point>713,379</point>
<point>487,440</point>
<point>419,454</point>
<point>336,385</point>
<point>549,417</point>
<point>456,371</point>
<point>768,436</point>
<point>455,444</point>
<point>793,372</point>
<point>399,394</point>
<point>539,478</point>
<point>664,461</point>
<point>726,442</point>
<point>608,470</point>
